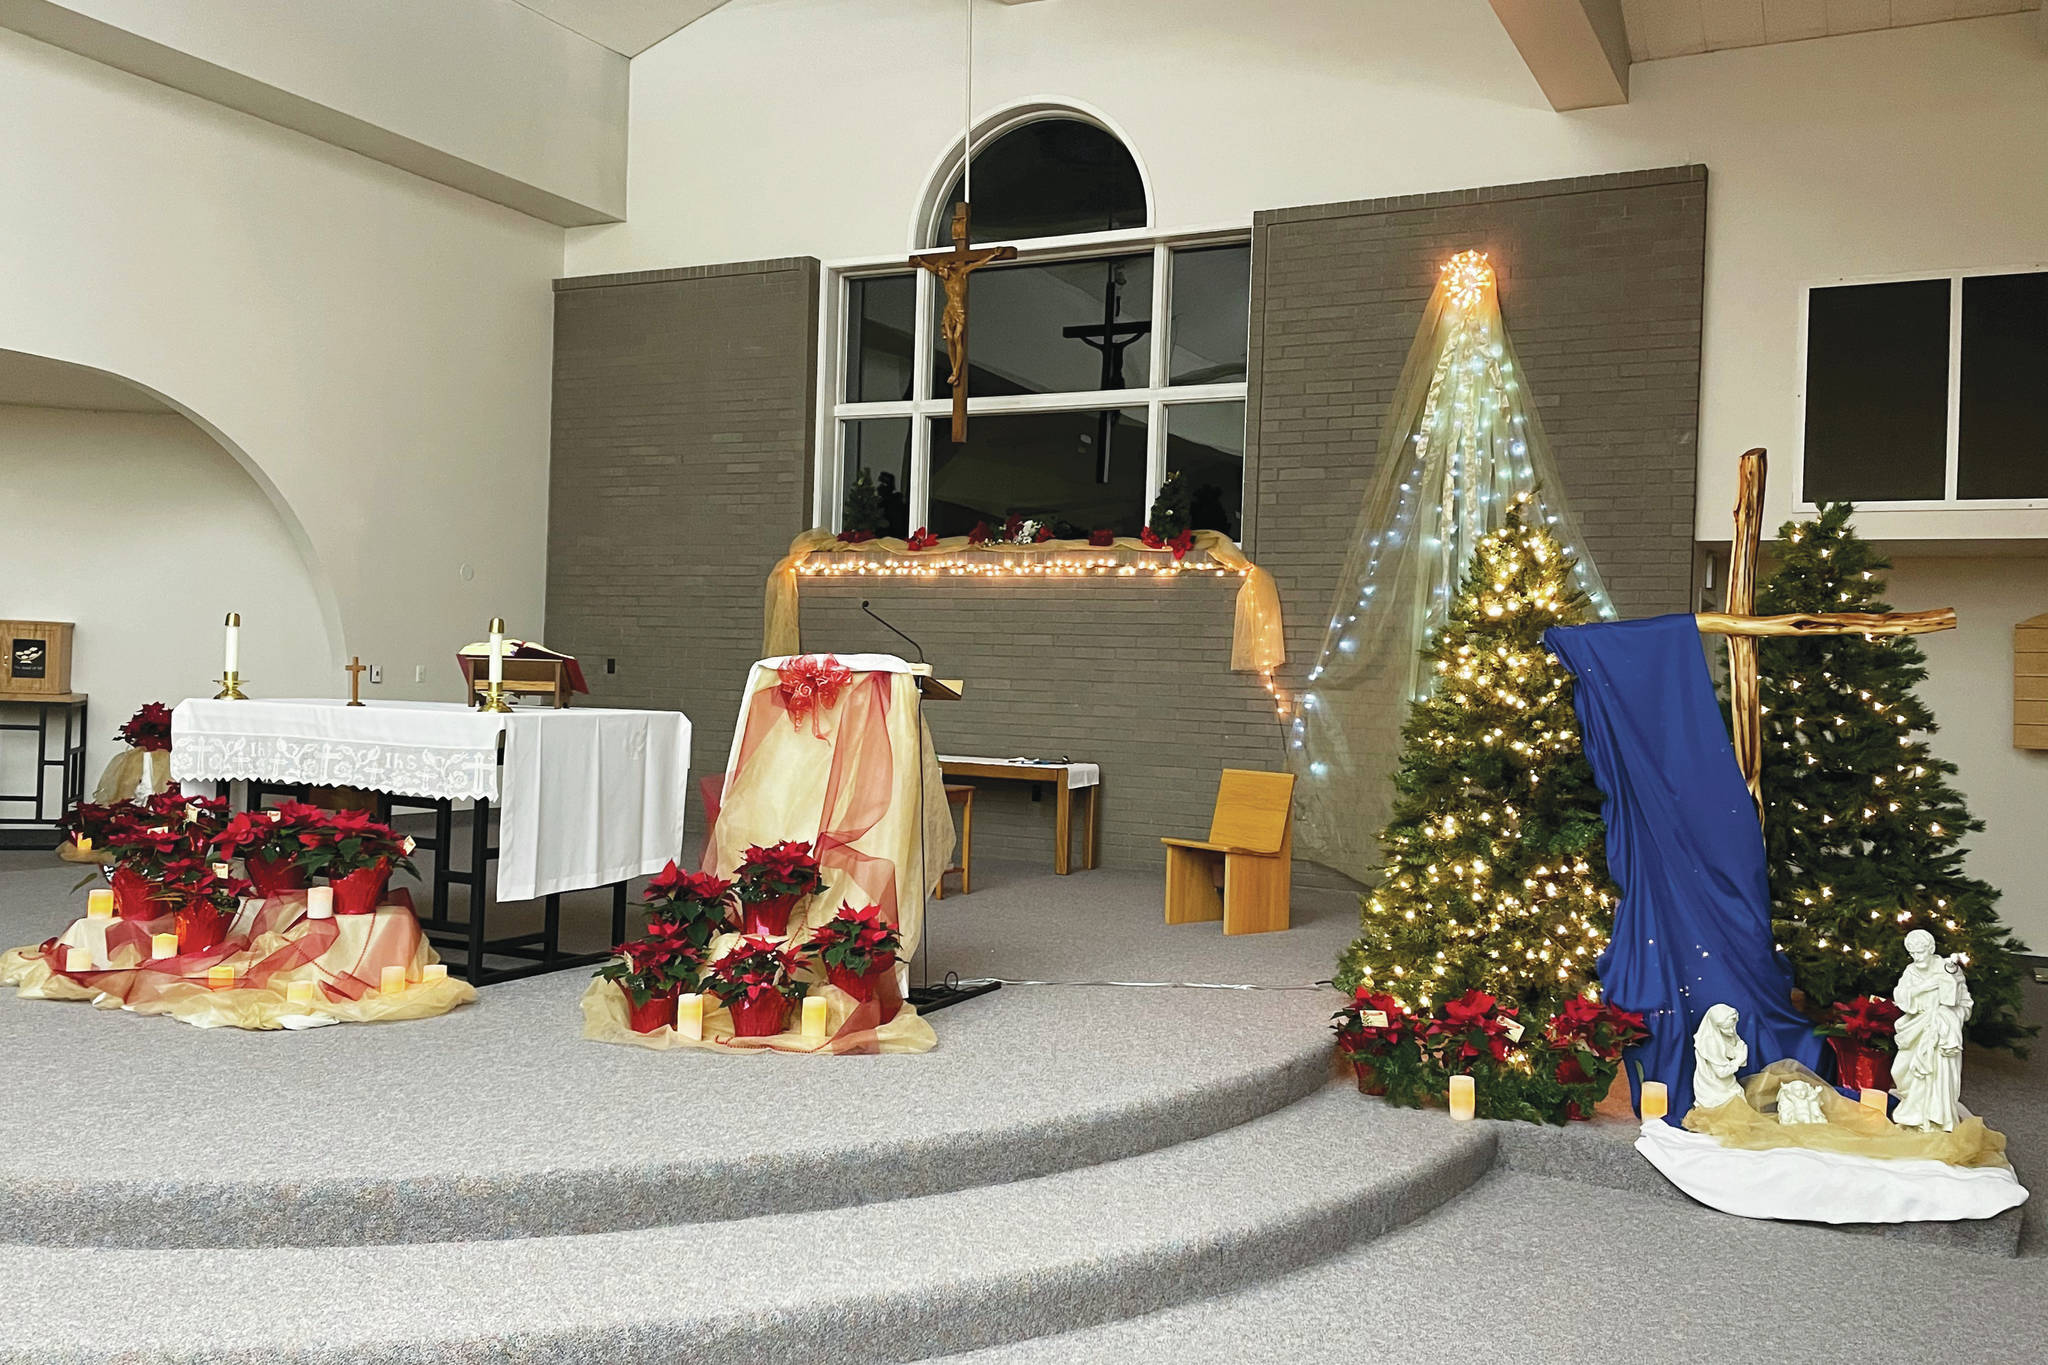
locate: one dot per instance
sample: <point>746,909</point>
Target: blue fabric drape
<point>1693,929</point>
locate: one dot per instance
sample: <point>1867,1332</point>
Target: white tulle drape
<point>1460,442</point>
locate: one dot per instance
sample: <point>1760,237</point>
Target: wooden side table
<point>38,828</point>
<point>1063,797</point>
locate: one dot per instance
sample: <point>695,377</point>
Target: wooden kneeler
<point>1251,838</point>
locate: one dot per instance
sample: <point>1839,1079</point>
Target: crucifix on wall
<point>953,267</point>
<point>1743,627</point>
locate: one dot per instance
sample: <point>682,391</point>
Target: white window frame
<point>829,496</point>
<point>1948,501</point>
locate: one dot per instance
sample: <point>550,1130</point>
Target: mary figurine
<point>1935,1003</point>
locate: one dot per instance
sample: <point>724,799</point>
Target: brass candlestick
<point>230,687</point>
<point>494,691</point>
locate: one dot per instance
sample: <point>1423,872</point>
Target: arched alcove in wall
<point>129,517</point>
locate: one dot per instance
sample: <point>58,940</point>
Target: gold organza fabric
<point>849,1028</point>
<point>1751,1123</point>
<point>1255,643</point>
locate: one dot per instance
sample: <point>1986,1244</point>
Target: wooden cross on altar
<point>354,668</point>
<point>953,267</point>
<point>1743,627</point>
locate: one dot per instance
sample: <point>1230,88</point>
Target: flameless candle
<point>99,903</point>
<point>320,902</point>
<point>1656,1100</point>
<point>1874,1100</point>
<point>302,993</point>
<point>83,843</point>
<point>690,1016</point>
<point>392,981</point>
<point>220,977</point>
<point>814,1016</point>
<point>1463,1099</point>
<point>163,945</point>
<point>434,971</point>
<point>78,959</point>
<point>234,663</point>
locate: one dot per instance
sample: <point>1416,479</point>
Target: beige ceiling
<point>1677,28</point>
<point>31,381</point>
<point>627,27</point>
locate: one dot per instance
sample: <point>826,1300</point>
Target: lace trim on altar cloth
<point>455,774</point>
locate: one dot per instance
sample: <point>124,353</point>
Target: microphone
<point>893,631</point>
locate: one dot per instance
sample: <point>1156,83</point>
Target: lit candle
<point>1656,1100</point>
<point>78,960</point>
<point>320,902</point>
<point>814,1016</point>
<point>1464,1101</point>
<point>83,843</point>
<point>1874,1100</point>
<point>234,661</point>
<point>497,650</point>
<point>690,1016</point>
<point>99,903</point>
<point>392,981</point>
<point>432,972</point>
<point>163,945</point>
<point>302,993</point>
<point>220,977</point>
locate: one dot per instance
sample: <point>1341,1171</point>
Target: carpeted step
<point>900,1280</point>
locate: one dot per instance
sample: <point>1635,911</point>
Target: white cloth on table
<point>1079,775</point>
<point>1812,1186</point>
<point>587,796</point>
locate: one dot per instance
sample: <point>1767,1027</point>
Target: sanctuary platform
<point>1076,1173</point>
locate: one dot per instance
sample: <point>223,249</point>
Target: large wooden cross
<point>953,267</point>
<point>1743,627</point>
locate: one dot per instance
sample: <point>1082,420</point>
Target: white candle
<point>84,841</point>
<point>234,662</point>
<point>497,650</point>
<point>1656,1100</point>
<point>690,1016</point>
<point>99,903</point>
<point>814,1016</point>
<point>1464,1100</point>
<point>391,981</point>
<point>220,977</point>
<point>434,971</point>
<point>163,945</point>
<point>320,902</point>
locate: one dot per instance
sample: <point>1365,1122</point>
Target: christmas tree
<point>1494,874</point>
<point>1864,831</point>
<point>864,509</point>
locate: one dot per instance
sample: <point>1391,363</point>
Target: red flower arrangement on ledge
<point>756,979</point>
<point>1860,1032</point>
<point>148,729</point>
<point>652,970</point>
<point>921,539</point>
<point>771,881</point>
<point>856,948</point>
<point>698,903</point>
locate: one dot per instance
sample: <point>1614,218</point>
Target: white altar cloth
<point>587,796</point>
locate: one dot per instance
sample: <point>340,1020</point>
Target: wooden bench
<point>1251,843</point>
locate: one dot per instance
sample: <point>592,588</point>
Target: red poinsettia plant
<point>146,837</point>
<point>273,835</point>
<point>1582,1047</point>
<point>90,820</point>
<point>979,535</point>
<point>699,904</point>
<point>1473,1029</point>
<point>1868,1021</point>
<point>196,884</point>
<point>856,942</point>
<point>921,539</point>
<point>1384,1042</point>
<point>855,537</point>
<point>753,971</point>
<point>1102,537</point>
<point>346,841</point>
<point>662,961</point>
<point>1179,544</point>
<point>785,869</point>
<point>148,729</point>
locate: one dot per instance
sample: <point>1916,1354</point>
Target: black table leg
<point>618,912</point>
<point>479,871</point>
<point>444,855</point>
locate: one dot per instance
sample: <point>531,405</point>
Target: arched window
<point>1104,359</point>
<point>1048,177</point>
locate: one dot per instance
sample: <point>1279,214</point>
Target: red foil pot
<point>1860,1067</point>
<point>1368,1084</point>
<point>199,927</point>
<point>658,1013</point>
<point>769,916</point>
<point>275,877</point>
<point>878,985</point>
<point>762,1019</point>
<point>361,891</point>
<point>136,897</point>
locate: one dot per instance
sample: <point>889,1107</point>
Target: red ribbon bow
<point>810,687</point>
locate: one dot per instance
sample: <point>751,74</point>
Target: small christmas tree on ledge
<point>1495,877</point>
<point>1863,830</point>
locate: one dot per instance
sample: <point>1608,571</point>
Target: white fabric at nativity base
<point>1810,1186</point>
<point>587,796</point>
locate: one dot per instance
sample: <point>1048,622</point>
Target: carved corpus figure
<point>1718,1052</point>
<point>1934,1000</point>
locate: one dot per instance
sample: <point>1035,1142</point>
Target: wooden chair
<point>961,795</point>
<point>1251,843</point>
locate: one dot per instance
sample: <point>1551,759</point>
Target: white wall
<point>374,349</point>
<point>142,531</point>
<point>1918,149</point>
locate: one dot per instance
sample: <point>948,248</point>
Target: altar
<point>587,797</point>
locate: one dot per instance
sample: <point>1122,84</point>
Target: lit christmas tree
<point>1494,874</point>
<point>1863,830</point>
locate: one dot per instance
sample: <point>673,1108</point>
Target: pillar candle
<point>434,971</point>
<point>392,981</point>
<point>220,976</point>
<point>302,993</point>
<point>1463,1098</point>
<point>497,651</point>
<point>234,656</point>
<point>1656,1100</point>
<point>1874,1100</point>
<point>83,843</point>
<point>690,1016</point>
<point>99,903</point>
<point>78,959</point>
<point>320,902</point>
<point>163,945</point>
<point>814,1016</point>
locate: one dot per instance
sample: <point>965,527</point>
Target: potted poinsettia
<point>699,902</point>
<point>1383,1043</point>
<point>91,820</point>
<point>207,897</point>
<point>857,948</point>
<point>357,855</point>
<point>1860,1032</point>
<point>147,838</point>
<point>268,843</point>
<point>1582,1047</point>
<point>771,881</point>
<point>652,970</point>
<point>1474,1036</point>
<point>756,980</point>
